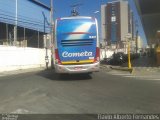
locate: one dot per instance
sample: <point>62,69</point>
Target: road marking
<point>143,77</point>
<point>155,79</point>
<point>130,76</point>
<point>20,111</point>
<point>120,74</point>
<point>147,77</point>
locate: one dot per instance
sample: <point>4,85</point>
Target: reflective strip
<point>75,62</point>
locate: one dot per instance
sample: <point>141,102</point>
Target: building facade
<point>23,22</point>
<point>103,24</point>
<point>118,20</point>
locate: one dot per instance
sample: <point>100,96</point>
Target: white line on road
<point>129,76</point>
<point>20,111</point>
<point>136,76</point>
<point>143,77</point>
<point>121,74</point>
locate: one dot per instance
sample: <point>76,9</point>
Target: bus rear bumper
<point>85,68</point>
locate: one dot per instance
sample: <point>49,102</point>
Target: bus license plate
<point>77,68</point>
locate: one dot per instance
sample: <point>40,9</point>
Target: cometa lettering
<point>79,54</point>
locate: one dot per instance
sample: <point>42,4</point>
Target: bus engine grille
<point>77,42</point>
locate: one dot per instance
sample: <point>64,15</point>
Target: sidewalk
<point>143,61</point>
<point>15,72</point>
<point>144,65</point>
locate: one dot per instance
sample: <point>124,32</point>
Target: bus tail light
<point>97,58</point>
<point>57,59</point>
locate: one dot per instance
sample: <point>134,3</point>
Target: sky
<point>62,8</point>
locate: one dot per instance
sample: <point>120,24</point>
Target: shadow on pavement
<point>143,61</point>
<point>52,75</point>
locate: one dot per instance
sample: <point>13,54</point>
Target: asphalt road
<point>45,92</point>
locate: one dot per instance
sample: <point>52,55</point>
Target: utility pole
<point>7,33</point>
<point>16,22</point>
<point>136,24</point>
<point>51,33</point>
<point>128,38</point>
<point>105,40</point>
<point>136,40</point>
<point>51,21</point>
<point>129,55</point>
<point>45,37</point>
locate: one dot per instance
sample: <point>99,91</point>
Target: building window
<point>113,32</point>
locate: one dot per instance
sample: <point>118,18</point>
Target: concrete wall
<point>105,53</point>
<point>14,58</point>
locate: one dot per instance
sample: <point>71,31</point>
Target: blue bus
<point>76,45</point>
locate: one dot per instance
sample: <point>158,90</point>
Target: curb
<point>122,68</point>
